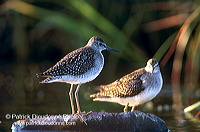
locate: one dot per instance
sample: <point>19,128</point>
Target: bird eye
<point>156,65</point>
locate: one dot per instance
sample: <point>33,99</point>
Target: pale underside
<point>80,66</point>
<point>152,88</point>
<point>141,98</point>
<point>78,79</point>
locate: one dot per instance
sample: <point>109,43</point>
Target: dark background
<point>35,34</point>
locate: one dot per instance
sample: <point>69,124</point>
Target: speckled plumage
<point>75,63</point>
<point>79,66</point>
<point>135,88</point>
<point>128,86</point>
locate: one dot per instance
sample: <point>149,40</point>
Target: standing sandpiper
<point>78,67</point>
<point>135,88</point>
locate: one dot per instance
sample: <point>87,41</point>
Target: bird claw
<point>81,115</point>
<point>126,108</point>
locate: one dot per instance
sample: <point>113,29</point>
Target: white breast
<point>86,77</point>
<point>151,90</point>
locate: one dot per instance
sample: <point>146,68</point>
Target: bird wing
<point>75,63</point>
<point>128,86</point>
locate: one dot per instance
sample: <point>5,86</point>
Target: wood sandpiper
<point>133,89</point>
<point>78,67</point>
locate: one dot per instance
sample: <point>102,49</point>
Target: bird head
<point>98,43</point>
<point>152,66</point>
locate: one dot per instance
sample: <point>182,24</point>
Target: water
<point>178,122</point>
<point>184,124</point>
<point>22,96</point>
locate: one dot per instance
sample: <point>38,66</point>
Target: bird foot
<point>81,115</point>
<point>126,108</point>
<point>133,107</point>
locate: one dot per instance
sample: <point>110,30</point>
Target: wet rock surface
<point>136,121</point>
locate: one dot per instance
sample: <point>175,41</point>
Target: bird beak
<point>109,48</point>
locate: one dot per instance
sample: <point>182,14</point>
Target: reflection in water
<point>22,94</point>
<point>177,103</point>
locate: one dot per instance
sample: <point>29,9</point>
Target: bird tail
<point>38,74</point>
<point>100,94</point>
<point>42,75</point>
<point>99,97</point>
<point>93,95</point>
<point>48,80</point>
<point>98,88</point>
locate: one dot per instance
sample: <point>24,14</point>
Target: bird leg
<point>126,107</point>
<point>78,105</point>
<point>133,107</point>
<point>77,99</point>
<point>71,98</point>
